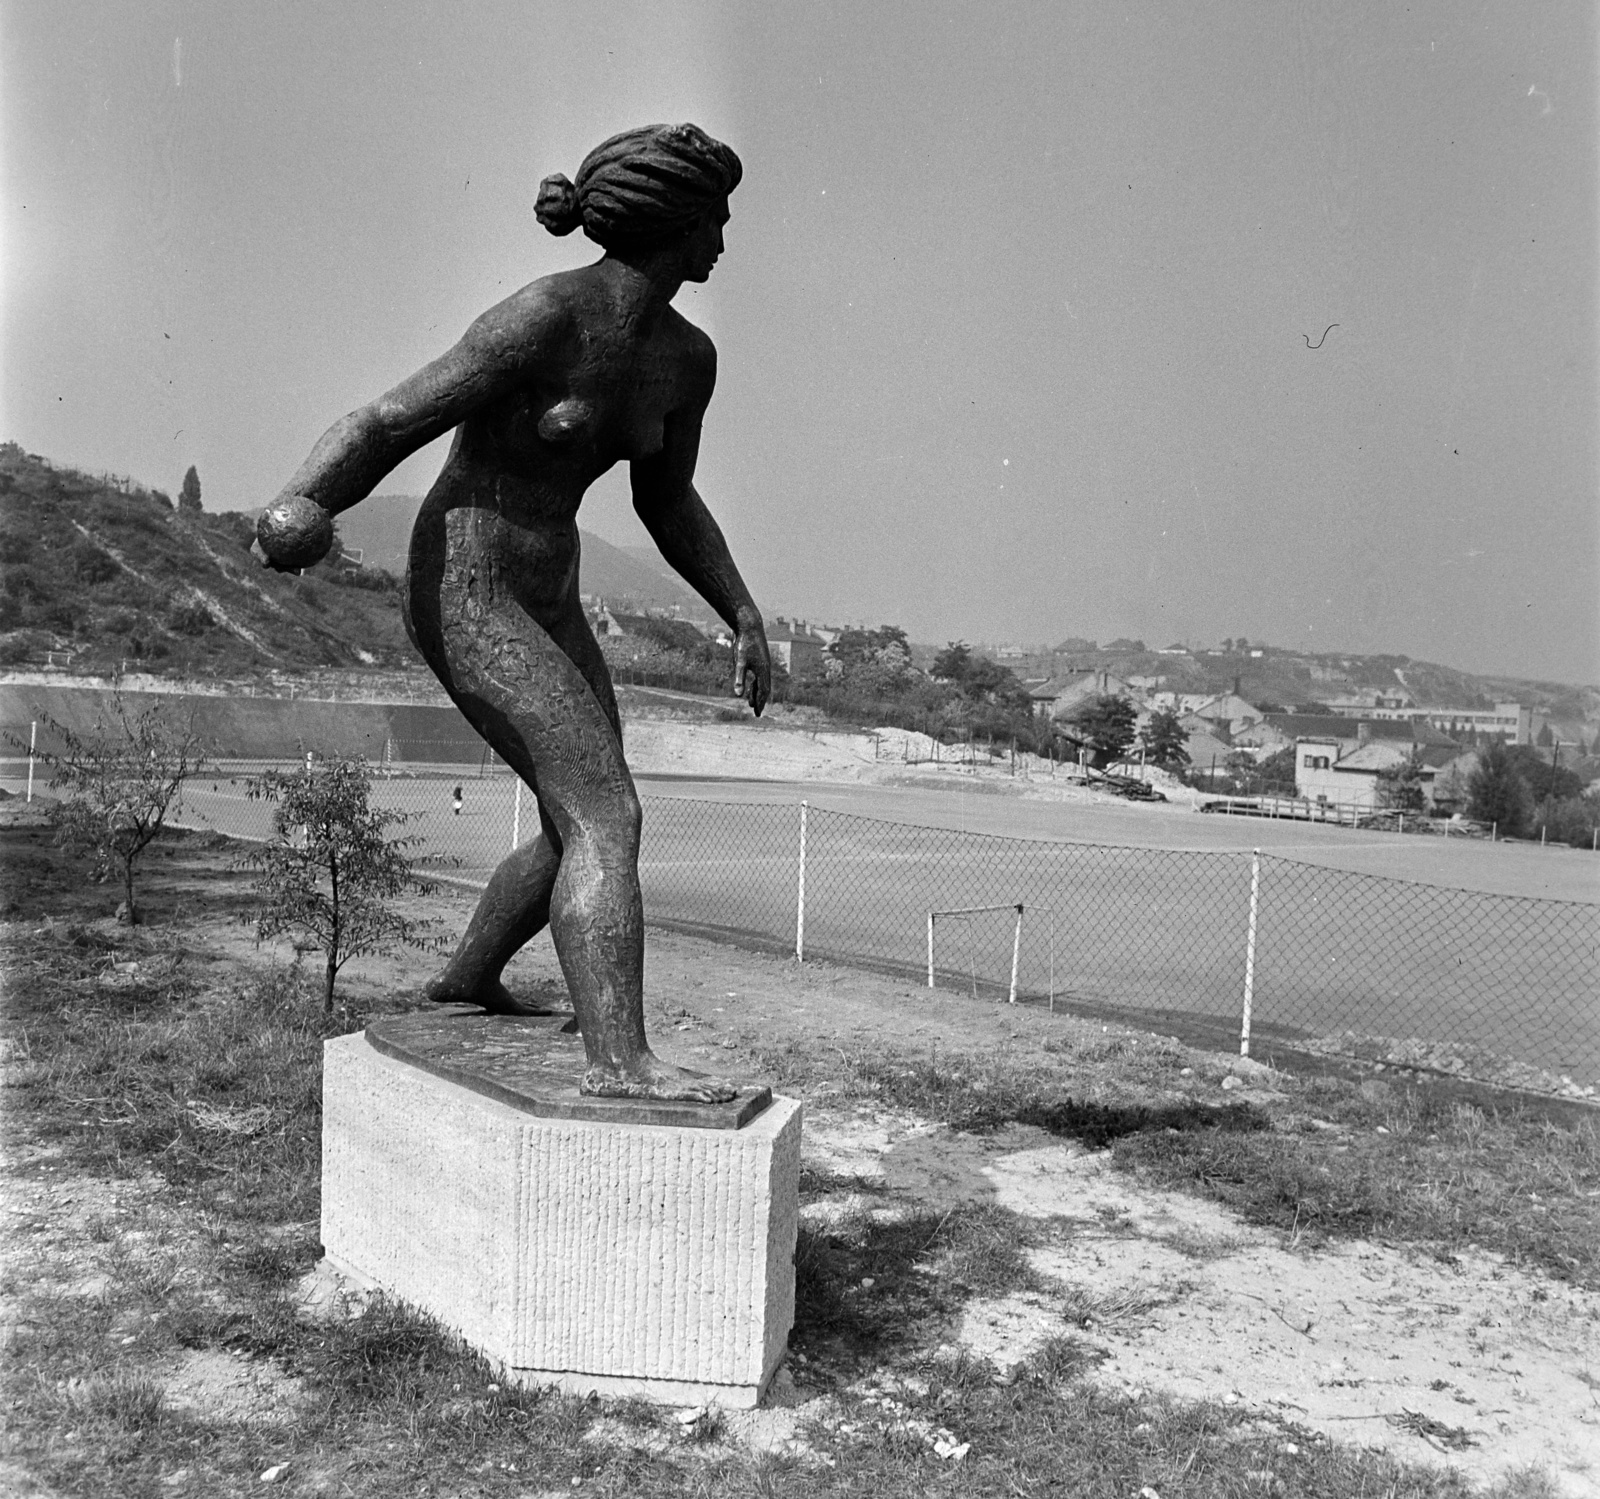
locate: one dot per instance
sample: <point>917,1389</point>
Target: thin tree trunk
<point>127,885</point>
<point>327,993</point>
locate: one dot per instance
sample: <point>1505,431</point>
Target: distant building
<point>1225,710</point>
<point>1509,720</point>
<point>796,647</point>
<point>1348,770</point>
<point>1208,751</point>
<point>1359,704</point>
<point>1057,697</point>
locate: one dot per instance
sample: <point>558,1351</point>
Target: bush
<point>190,619</point>
<point>332,872</point>
<point>118,780</point>
<point>1572,820</point>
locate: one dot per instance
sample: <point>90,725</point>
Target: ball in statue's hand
<point>294,532</point>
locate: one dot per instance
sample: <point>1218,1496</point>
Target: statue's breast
<point>567,422</point>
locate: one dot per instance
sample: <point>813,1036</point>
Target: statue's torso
<point>597,392</point>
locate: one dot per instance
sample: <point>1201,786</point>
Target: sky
<point>1036,320</point>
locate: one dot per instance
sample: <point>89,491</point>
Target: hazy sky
<point>1014,316</point>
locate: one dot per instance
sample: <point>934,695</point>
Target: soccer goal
<point>970,922</point>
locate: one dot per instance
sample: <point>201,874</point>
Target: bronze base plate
<point>534,1063</point>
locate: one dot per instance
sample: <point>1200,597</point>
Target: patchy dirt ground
<point>1463,1361</point>
<point>1389,1347</point>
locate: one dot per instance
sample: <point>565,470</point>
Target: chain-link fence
<point>1202,944</point>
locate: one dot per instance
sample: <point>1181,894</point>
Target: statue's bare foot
<point>494,998</point>
<point>650,1077</point>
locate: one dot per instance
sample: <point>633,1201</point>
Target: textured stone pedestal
<point>609,1256</point>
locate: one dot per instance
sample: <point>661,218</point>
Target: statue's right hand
<point>294,532</point>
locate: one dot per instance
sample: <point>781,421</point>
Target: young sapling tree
<point>331,872</point>
<point>118,781</point>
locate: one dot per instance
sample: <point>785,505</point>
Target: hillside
<point>112,574</point>
<point>1271,675</point>
<point>381,527</point>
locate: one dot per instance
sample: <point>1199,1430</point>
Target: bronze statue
<point>546,391</point>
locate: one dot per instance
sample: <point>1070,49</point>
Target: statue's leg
<point>515,906</point>
<point>534,704</point>
<point>514,909</point>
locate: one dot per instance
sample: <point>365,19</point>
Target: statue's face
<point>703,244</point>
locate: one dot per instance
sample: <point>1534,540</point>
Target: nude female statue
<point>570,375</point>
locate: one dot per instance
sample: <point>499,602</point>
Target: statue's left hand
<point>752,667</point>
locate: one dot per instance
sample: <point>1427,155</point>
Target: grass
<point>1336,1158</point>
<point>175,1103</point>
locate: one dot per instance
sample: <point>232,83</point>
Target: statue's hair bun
<point>557,205</point>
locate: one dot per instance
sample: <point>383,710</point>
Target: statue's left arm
<point>676,517</point>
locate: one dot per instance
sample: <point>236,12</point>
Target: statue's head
<point>646,188</point>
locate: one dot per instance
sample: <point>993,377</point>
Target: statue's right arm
<point>493,355</point>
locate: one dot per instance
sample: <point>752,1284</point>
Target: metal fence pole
<point>33,740</point>
<point>1250,952</point>
<point>1016,953</point>
<point>800,896</point>
<point>930,949</point>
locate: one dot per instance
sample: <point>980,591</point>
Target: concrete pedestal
<point>621,1258</point>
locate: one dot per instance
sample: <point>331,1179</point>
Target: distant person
<point>566,378</point>
<point>455,801</point>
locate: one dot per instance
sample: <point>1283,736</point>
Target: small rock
<point>1148,1493</point>
<point>1186,1072</point>
<point>1230,1082</point>
<point>1289,1449</point>
<point>125,918</point>
<point>276,1473</point>
<point>1296,1316</point>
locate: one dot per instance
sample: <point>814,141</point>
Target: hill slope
<point>115,575</point>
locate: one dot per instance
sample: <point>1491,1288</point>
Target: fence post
<point>1250,952</point>
<point>800,897</point>
<point>930,949</point>
<point>33,740</point>
<point>516,813</point>
<point>1016,952</point>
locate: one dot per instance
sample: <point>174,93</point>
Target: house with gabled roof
<point>1057,697</point>
<point>1345,771</point>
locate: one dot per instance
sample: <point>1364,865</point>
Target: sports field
<point>1127,910</point>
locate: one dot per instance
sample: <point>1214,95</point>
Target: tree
<point>189,495</point>
<point>119,781</point>
<point>953,662</point>
<point>1105,724</point>
<point>1545,777</point>
<point>331,870</point>
<point>1497,793</point>
<point>1164,739</point>
<point>1399,787</point>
